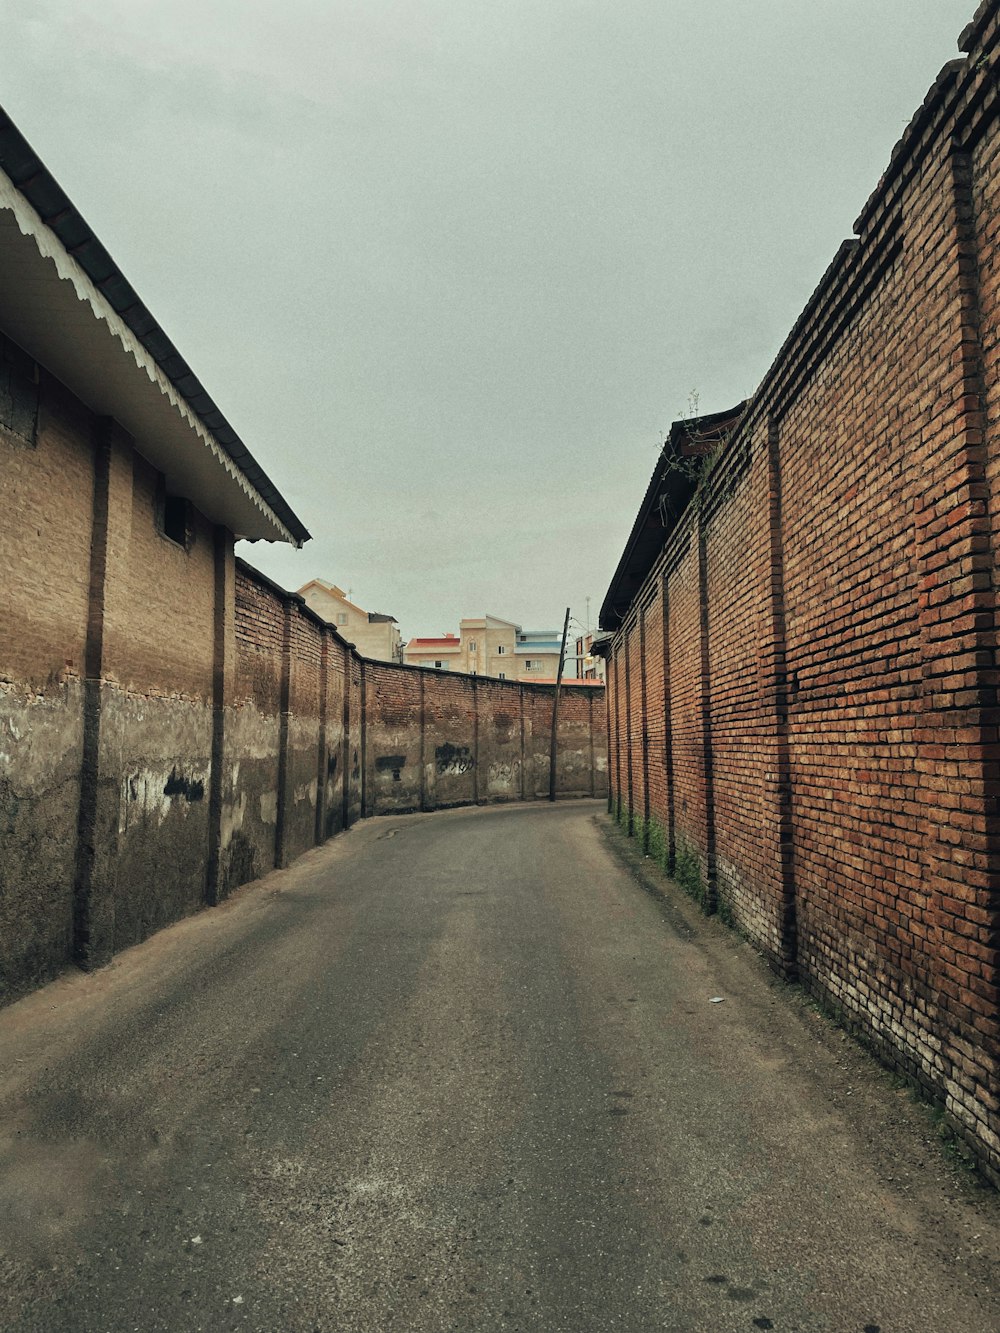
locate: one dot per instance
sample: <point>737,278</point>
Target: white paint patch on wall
<point>502,775</point>
<point>152,793</point>
<point>232,818</point>
<point>269,807</point>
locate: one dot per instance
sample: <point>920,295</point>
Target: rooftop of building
<point>445,641</point>
<point>374,617</point>
<point>68,305</point>
<point>675,477</point>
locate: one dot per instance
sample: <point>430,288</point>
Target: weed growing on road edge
<point>640,831</point>
<point>687,872</point>
<point>658,845</point>
<point>940,1124</point>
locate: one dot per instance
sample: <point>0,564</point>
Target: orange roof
<point>551,680</point>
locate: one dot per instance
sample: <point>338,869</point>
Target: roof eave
<point>66,303</point>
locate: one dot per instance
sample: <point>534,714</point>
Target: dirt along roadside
<point>931,1188</point>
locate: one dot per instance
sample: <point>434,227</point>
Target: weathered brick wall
<point>394,711</point>
<point>537,744</point>
<point>254,731</point>
<point>656,755</point>
<point>449,715</point>
<point>355,741</point>
<point>402,738</point>
<point>106,657</point>
<point>634,720</point>
<point>686,721</point>
<point>305,717</point>
<point>500,740</point>
<point>156,725</point>
<point>45,556</point>
<point>334,809</point>
<point>829,736</point>
<point>174,724</point>
<point>437,739</point>
<point>741,716</point>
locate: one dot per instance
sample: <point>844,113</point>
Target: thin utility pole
<point>555,712</point>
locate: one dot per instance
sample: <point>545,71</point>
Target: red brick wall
<point>334,790</point>
<point>159,627</point>
<point>305,714</point>
<point>108,679</point>
<point>741,710</point>
<point>634,721</point>
<point>354,740</point>
<point>692,860</point>
<point>830,733</point>
<point>657,757</point>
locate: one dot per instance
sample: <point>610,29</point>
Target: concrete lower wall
<point>41,741</point>
<point>157,820</point>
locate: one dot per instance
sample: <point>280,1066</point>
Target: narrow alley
<point>460,1072</point>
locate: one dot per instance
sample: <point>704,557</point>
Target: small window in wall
<point>501,650</point>
<point>501,675</point>
<point>175,519</point>
<point>341,617</point>
<point>472,645</point>
<point>18,393</point>
<point>441,666</point>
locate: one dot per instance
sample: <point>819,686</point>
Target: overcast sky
<point>451,267</point>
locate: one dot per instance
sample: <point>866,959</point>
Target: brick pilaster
<point>705,708</point>
<point>957,732</point>
<point>777,783</point>
<point>668,742</point>
<point>644,719</point>
<point>100,779</point>
<point>223,684</point>
<point>281,853</point>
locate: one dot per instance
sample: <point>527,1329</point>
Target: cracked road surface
<point>460,1072</point>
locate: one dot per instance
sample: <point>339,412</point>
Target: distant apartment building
<point>445,653</point>
<point>537,653</point>
<point>489,646</point>
<point>374,635</point>
<point>584,662</point>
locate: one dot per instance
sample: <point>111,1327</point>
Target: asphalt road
<point>460,1072</point>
